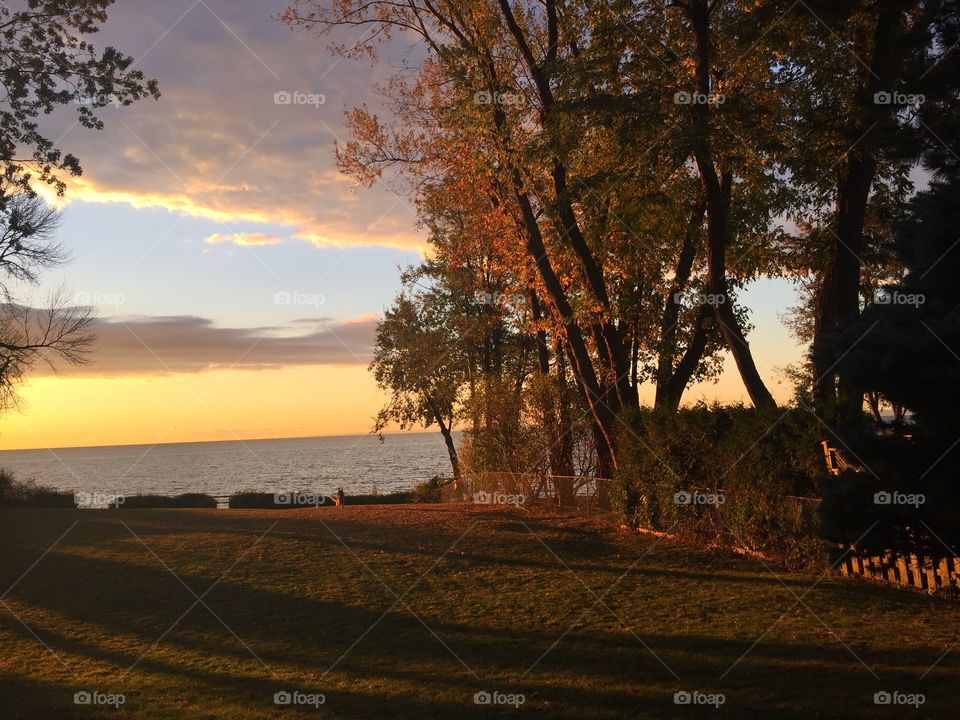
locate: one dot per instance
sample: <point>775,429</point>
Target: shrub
<point>19,493</point>
<point>186,500</point>
<point>430,491</point>
<point>6,486</point>
<point>267,501</point>
<point>394,498</point>
<point>258,500</point>
<point>748,475</point>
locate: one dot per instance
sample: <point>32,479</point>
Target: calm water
<point>356,463</point>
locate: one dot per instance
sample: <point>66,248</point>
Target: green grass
<point>486,605</point>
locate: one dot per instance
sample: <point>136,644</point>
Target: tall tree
<point>892,46</point>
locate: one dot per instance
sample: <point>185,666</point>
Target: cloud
<point>188,344</point>
<point>218,144</point>
<point>242,239</point>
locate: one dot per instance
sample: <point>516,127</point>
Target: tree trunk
<point>718,188</point>
<point>581,364</point>
<point>564,425</point>
<point>615,366</point>
<point>689,362</point>
<point>671,315</point>
<point>447,438</point>
<point>837,302</point>
<point>451,451</point>
<point>602,404</point>
<point>718,204</point>
<point>548,406</point>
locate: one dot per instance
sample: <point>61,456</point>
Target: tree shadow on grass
<point>579,549</point>
<point>400,669</point>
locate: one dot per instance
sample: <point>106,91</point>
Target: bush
<point>430,491</point>
<point>394,498</point>
<point>6,486</point>
<point>267,501</point>
<point>258,501</point>
<point>724,474</point>
<point>18,493</point>
<point>186,500</point>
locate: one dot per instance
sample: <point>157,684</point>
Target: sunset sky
<point>236,275</point>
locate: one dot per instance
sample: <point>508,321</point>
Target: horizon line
<point>198,442</point>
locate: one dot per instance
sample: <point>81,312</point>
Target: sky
<point>236,275</point>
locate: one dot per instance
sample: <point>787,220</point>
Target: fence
<point>798,518</point>
<point>909,570</point>
<point>529,488</point>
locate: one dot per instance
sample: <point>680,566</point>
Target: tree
<point>911,337</point>
<point>418,362</point>
<point>893,46</point>
<point>494,107</point>
<point>644,152</point>
<point>908,350</point>
<point>29,336</point>
<point>46,60</point>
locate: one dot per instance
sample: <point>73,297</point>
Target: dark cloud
<point>219,144</point>
<point>186,343</point>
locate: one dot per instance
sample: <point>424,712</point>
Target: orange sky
<point>211,405</point>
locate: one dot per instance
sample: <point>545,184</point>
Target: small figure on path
<point>338,498</point>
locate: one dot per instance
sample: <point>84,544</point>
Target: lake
<point>357,463</point>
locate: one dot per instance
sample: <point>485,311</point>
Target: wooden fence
<point>909,570</point>
<point>923,573</point>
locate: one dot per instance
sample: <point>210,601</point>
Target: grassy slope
<point>493,605</point>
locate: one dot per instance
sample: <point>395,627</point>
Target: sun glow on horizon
<point>232,404</point>
<point>224,404</point>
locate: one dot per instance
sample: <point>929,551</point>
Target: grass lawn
<point>408,611</point>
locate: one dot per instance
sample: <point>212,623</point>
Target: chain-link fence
<point>508,488</point>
